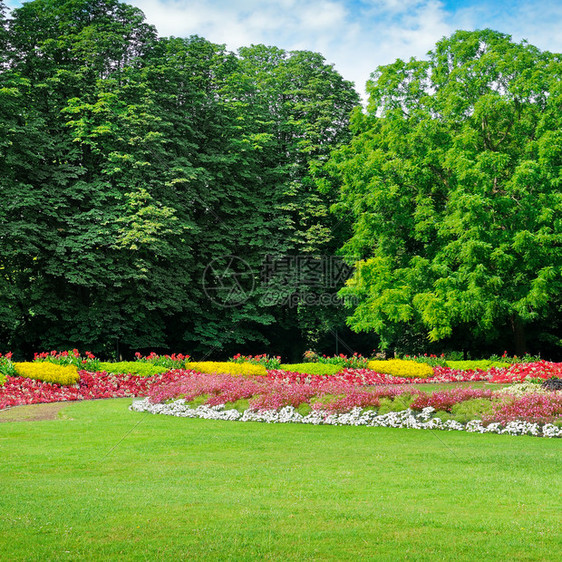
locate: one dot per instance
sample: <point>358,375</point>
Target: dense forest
<point>161,193</point>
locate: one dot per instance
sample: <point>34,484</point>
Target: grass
<point>433,386</point>
<point>103,483</point>
<point>312,368</point>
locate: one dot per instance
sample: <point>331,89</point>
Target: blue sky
<point>355,35</point>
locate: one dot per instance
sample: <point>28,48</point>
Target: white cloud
<point>355,35</point>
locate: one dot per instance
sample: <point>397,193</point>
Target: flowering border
<point>356,417</point>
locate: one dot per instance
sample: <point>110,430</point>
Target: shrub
<point>228,368</point>
<point>401,368</point>
<point>552,384</point>
<point>72,357</point>
<point>48,372</point>
<point>268,361</point>
<point>356,361</point>
<point>312,368</point>
<point>133,367</point>
<point>472,409</point>
<point>396,404</point>
<point>483,365</point>
<point>6,367</point>
<point>174,361</point>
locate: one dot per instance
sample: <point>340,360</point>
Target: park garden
<point>397,264</point>
<point>505,395</point>
<point>338,457</point>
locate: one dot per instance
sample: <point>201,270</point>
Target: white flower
<point>356,417</point>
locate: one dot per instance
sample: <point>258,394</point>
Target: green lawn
<point>103,483</point>
<point>433,386</point>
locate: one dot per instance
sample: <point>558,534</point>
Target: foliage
<point>173,361</point>
<point>312,368</point>
<point>484,365</point>
<point>213,367</point>
<point>88,362</point>
<point>269,362</point>
<point>48,372</point>
<point>526,358</point>
<point>132,367</point>
<point>6,367</point>
<point>431,360</point>
<point>401,368</point>
<point>452,181</point>
<point>129,162</point>
<point>356,361</point>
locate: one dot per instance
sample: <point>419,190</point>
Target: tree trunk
<point>519,336</point>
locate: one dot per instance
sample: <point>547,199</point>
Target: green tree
<point>129,163</point>
<point>59,227</point>
<point>453,182</point>
<point>295,108</point>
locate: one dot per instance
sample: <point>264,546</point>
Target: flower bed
<point>370,377</point>
<point>230,368</point>
<point>321,398</point>
<point>519,372</point>
<point>18,390</point>
<point>401,368</point>
<point>48,372</point>
<point>352,395</point>
<point>357,416</point>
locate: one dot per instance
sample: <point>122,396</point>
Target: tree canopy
<point>129,163</point>
<point>146,179</point>
<point>452,180</point>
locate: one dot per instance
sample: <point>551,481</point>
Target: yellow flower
<point>227,368</point>
<point>401,368</point>
<point>48,372</point>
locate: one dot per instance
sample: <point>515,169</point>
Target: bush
<point>174,361</point>
<point>483,365</point>
<point>48,372</point>
<point>401,368</point>
<point>552,384</point>
<point>7,368</point>
<point>473,409</point>
<point>88,362</point>
<point>356,361</point>
<point>397,404</point>
<point>269,362</point>
<point>229,368</point>
<point>133,367</point>
<point>312,368</point>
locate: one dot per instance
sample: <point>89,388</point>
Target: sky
<point>356,36</point>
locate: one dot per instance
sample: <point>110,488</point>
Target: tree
<point>295,108</point>
<point>60,229</point>
<point>452,180</point>
<point>131,164</point>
